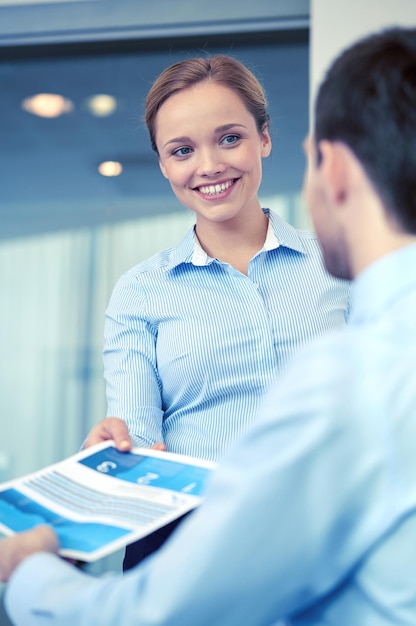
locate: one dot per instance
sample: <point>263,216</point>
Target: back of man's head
<point>368,101</point>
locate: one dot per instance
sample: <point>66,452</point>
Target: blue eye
<point>184,151</point>
<point>230,139</point>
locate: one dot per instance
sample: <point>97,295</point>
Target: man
<point>311,518</point>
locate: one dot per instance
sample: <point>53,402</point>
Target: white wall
<point>335,24</point>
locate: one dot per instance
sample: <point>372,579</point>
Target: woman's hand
<point>116,429</point>
<point>110,428</point>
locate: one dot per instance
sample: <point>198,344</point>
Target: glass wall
<point>67,232</point>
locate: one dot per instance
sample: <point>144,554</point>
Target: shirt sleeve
<point>133,386</point>
<point>282,525</point>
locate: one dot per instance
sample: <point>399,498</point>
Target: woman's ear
<point>266,142</point>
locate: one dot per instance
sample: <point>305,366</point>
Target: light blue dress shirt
<point>191,344</point>
<point>310,520</point>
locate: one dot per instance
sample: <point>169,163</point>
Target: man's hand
<point>114,428</point>
<point>110,428</point>
<point>15,549</point>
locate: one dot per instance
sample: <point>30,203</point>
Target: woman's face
<point>210,150</point>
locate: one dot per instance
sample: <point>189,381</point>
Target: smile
<point>212,190</point>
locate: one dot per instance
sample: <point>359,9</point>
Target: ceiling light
<point>110,168</point>
<point>47,105</point>
<point>102,105</point>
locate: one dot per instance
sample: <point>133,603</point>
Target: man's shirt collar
<point>382,284</point>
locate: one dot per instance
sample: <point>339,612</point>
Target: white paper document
<point>100,499</point>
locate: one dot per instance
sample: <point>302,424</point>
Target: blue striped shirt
<point>192,344</point>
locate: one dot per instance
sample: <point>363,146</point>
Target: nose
<point>210,163</point>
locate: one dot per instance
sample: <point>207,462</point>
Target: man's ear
<point>333,169</point>
<point>162,169</point>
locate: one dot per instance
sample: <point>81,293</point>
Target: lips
<point>213,190</point>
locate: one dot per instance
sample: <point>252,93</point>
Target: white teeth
<point>213,189</point>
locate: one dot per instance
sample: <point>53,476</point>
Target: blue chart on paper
<point>19,512</point>
<point>141,469</point>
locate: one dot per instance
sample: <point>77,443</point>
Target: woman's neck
<point>232,243</point>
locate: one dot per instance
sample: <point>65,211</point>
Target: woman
<point>195,335</point>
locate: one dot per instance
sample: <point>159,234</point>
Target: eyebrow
<point>219,129</point>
